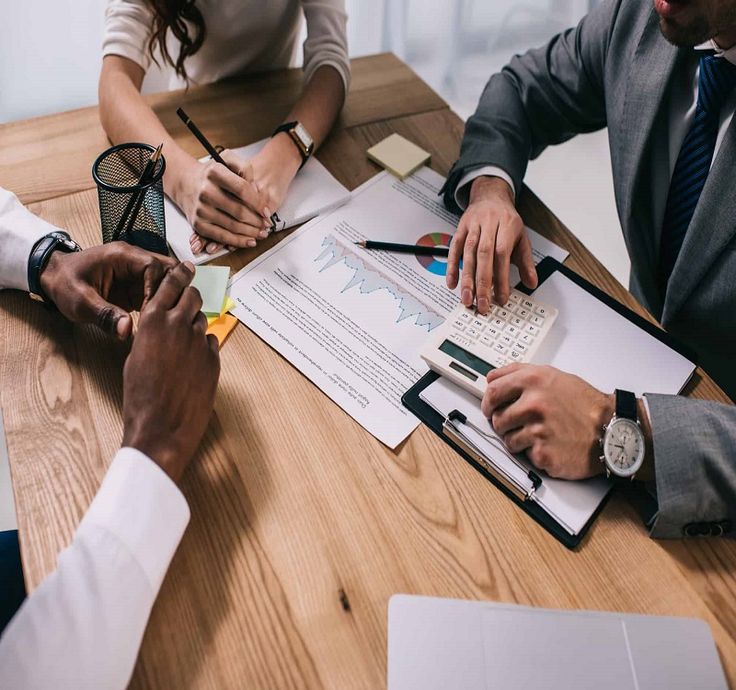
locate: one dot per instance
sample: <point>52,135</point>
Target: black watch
<point>301,138</point>
<point>40,255</point>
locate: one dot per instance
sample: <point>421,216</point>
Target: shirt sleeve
<point>327,42</point>
<point>128,29</point>
<point>19,231</point>
<point>83,626</point>
<point>462,193</point>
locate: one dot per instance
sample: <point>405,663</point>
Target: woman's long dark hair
<point>186,23</point>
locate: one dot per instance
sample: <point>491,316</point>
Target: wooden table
<point>303,525</point>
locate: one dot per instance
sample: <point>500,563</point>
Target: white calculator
<point>468,345</point>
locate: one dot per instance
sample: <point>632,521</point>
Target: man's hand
<point>170,376</point>
<point>489,237</point>
<point>557,418</point>
<point>102,285</point>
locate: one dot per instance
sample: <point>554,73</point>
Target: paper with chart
<point>351,320</point>
<point>313,191</point>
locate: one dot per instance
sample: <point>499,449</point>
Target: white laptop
<point>448,644</point>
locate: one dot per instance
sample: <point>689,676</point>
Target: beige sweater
<point>242,36</point>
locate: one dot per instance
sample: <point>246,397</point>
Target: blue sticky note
<point>211,281</point>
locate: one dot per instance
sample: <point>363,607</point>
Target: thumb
<point>110,318</point>
<point>525,262</point>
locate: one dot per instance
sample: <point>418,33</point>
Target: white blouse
<point>243,36</point>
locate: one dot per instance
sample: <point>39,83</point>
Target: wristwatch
<point>301,138</point>
<point>40,255</point>
<point>623,440</point>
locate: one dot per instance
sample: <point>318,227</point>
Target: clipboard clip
<point>451,429</point>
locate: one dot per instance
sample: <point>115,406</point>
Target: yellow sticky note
<point>227,305</point>
<point>398,155</point>
<point>222,327</point>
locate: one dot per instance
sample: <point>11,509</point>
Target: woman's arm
<point>219,203</point>
<point>276,165</point>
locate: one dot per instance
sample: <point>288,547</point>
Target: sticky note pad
<point>211,281</point>
<point>222,327</point>
<point>398,155</point>
<point>227,305</point>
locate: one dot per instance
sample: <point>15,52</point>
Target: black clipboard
<point>435,421</point>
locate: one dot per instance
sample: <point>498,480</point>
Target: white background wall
<point>50,61</point>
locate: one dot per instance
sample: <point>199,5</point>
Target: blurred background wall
<point>50,61</point>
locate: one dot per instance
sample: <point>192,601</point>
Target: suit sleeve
<point>543,97</point>
<point>81,629</point>
<point>695,466</point>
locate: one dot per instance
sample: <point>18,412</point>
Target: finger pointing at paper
<point>489,237</point>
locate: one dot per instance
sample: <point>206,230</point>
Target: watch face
<point>305,137</point>
<point>623,447</point>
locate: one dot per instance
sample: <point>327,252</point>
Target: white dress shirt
<point>683,101</point>
<point>82,627</point>
<point>242,36</point>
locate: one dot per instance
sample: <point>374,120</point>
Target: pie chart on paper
<point>434,264</point>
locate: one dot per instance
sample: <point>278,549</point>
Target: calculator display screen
<point>463,356</point>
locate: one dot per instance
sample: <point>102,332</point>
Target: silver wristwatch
<point>623,442</point>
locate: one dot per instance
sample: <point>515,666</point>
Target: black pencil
<point>136,199</point>
<point>212,150</point>
<point>416,249</point>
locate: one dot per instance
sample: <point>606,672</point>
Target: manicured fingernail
<point>189,266</point>
<point>251,243</point>
<point>267,213</point>
<point>197,246</point>
<point>211,247</point>
<point>263,234</point>
<point>467,296</point>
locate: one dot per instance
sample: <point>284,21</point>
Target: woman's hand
<point>222,205</point>
<point>274,167</point>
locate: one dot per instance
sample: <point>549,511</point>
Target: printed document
<point>354,321</point>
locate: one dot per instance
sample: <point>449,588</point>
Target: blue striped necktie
<point>716,81</point>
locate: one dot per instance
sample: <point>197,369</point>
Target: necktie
<point>716,81</point>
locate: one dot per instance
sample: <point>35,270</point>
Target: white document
<point>313,191</point>
<point>354,321</point>
<point>434,644</point>
<point>571,504</point>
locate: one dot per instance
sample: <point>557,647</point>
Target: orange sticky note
<point>222,327</point>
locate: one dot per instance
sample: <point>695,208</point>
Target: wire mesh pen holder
<point>117,172</point>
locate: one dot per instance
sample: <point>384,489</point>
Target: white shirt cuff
<point>462,193</point>
<point>142,507</point>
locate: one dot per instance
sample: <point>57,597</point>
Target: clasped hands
<point>232,206</point>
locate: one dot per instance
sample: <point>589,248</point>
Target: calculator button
<point>513,331</point>
<point>517,321</point>
<point>515,355</point>
<point>492,332</point>
<point>499,347</point>
<point>514,297</point>
<point>487,340</point>
<point>537,320</point>
<point>477,323</point>
<point>520,347</point>
<point>527,304</point>
<point>465,316</point>
<point>526,339</point>
<point>507,340</point>
<point>498,324</point>
<point>522,312</point>
<point>532,330</point>
<point>503,314</point>
<point>509,306</point>
<point>541,311</point>
<point>459,325</point>
<point>472,332</point>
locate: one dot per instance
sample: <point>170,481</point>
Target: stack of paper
<point>211,281</point>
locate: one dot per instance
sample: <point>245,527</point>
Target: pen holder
<point>117,172</point>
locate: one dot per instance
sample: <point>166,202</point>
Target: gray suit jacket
<point>614,70</point>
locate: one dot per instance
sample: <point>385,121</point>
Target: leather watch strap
<point>288,128</point>
<point>626,405</point>
<point>40,255</point>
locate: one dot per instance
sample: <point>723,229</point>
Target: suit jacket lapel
<point>712,227</point>
<point>650,74</point>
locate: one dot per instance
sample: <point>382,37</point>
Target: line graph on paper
<point>370,280</point>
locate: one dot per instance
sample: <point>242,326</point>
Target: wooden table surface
<point>303,525</point>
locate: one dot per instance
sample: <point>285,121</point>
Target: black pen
<point>125,224</point>
<point>416,249</point>
<point>212,150</point>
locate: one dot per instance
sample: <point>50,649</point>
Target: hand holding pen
<point>221,202</point>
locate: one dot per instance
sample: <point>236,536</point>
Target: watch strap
<point>626,405</point>
<point>40,255</point>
